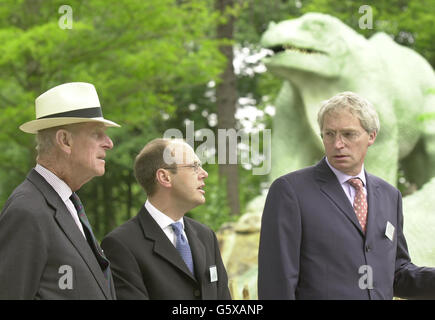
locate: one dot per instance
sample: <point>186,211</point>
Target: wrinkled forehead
<point>179,153</point>
<point>86,127</point>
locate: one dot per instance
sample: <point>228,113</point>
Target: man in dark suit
<point>160,253</point>
<point>334,231</point>
<point>47,248</point>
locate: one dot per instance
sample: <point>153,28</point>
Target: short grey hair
<point>45,139</point>
<point>357,105</point>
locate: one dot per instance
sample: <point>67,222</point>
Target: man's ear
<point>372,137</point>
<point>164,178</point>
<point>64,140</point>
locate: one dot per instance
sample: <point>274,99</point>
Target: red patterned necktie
<point>360,202</point>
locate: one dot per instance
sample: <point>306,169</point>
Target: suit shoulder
<point>384,185</point>
<point>26,211</point>
<point>295,176</point>
<point>25,199</point>
<point>25,189</point>
<point>125,231</point>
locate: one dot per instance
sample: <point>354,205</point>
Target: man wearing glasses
<point>160,254</point>
<point>334,231</point>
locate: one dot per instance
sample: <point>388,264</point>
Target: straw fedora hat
<point>67,103</point>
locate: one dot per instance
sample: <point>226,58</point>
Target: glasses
<point>345,136</point>
<point>195,166</point>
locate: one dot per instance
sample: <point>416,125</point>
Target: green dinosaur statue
<point>319,56</point>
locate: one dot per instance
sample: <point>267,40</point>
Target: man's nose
<point>203,174</point>
<point>108,143</point>
<point>339,142</point>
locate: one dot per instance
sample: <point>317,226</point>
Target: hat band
<point>80,113</point>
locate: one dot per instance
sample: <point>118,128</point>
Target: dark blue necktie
<point>182,245</point>
<point>92,241</point>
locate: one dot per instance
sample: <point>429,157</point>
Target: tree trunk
<point>130,181</point>
<point>108,212</point>
<point>226,97</point>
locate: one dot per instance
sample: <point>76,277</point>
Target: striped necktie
<point>92,241</point>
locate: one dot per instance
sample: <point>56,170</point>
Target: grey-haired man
<point>47,247</point>
<point>334,231</point>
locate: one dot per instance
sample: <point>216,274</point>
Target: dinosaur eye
<point>314,26</point>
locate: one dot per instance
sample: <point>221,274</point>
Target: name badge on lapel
<point>213,274</point>
<point>389,231</point>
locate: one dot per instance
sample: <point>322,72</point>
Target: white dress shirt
<point>164,222</point>
<point>347,188</point>
<point>64,192</point>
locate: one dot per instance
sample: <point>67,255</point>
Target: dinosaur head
<point>313,43</point>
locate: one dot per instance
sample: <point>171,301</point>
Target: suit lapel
<point>73,233</point>
<point>162,246</point>
<point>68,226</point>
<point>373,198</point>
<point>330,186</point>
<point>198,251</point>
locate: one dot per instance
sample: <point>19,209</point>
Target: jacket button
<point>196,293</point>
<point>368,248</point>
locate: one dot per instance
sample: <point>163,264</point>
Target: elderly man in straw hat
<point>47,247</point>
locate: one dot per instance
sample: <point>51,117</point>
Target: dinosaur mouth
<point>291,48</point>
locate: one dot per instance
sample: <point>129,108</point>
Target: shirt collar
<point>62,189</point>
<point>162,219</point>
<point>343,178</point>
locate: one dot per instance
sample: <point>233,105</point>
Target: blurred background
<point>161,64</point>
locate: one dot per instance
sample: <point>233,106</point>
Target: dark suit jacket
<point>37,237</point>
<point>312,246</point>
<point>146,265</point>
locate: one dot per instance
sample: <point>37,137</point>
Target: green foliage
<point>152,63</point>
<point>409,22</point>
<point>138,54</point>
<point>257,15</point>
<point>215,211</point>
